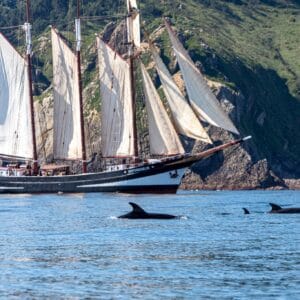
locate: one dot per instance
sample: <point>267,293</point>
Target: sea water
<point>75,247</point>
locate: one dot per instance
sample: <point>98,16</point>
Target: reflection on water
<point>74,246</point>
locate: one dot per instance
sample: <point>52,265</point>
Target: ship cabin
<point>15,170</point>
<point>54,170</point>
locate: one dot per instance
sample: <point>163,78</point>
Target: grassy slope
<point>256,47</point>
<point>250,45</point>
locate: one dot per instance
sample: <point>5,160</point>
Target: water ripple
<point>69,246</point>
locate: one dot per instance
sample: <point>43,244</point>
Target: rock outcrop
<point>234,168</point>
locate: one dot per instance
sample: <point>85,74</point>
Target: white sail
<point>15,115</point>
<point>201,97</point>
<point>133,23</point>
<point>162,135</point>
<point>66,113</point>
<point>116,106</point>
<point>186,122</point>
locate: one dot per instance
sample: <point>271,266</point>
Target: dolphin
<point>276,209</point>
<point>139,213</point>
<point>246,211</point>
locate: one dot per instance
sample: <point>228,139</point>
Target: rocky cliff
<point>249,50</point>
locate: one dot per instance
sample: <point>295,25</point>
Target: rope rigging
<point>11,27</point>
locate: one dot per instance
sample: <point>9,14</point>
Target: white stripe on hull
<point>11,188</point>
<point>167,178</point>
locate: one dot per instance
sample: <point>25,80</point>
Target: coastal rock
<point>234,168</point>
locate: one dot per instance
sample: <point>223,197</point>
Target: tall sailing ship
<point>161,172</point>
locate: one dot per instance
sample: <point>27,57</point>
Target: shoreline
<point>294,185</point>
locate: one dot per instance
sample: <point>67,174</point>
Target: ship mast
<point>131,48</point>
<point>78,46</point>
<point>27,29</point>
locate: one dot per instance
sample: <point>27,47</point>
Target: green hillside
<point>252,46</point>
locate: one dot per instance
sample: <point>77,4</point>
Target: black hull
<point>148,178</point>
<point>160,177</point>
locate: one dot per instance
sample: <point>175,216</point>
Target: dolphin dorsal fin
<point>136,208</point>
<point>275,207</point>
<point>246,211</point>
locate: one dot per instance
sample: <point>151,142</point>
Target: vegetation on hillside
<point>250,45</point>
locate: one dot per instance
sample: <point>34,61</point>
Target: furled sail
<point>162,135</point>
<point>15,120</point>
<point>66,113</point>
<point>184,118</point>
<point>116,95</point>
<point>133,23</point>
<point>201,97</point>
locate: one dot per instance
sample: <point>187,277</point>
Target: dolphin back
<point>138,213</point>
<point>161,216</point>
<point>289,210</point>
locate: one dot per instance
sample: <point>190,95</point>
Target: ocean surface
<point>74,247</point>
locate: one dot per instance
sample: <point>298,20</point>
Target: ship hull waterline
<point>151,178</point>
<point>159,178</point>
